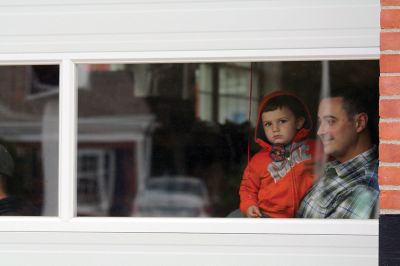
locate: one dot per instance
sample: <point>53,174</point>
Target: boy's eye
<point>283,121</point>
<point>267,124</point>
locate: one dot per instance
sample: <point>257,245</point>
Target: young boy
<point>280,174</point>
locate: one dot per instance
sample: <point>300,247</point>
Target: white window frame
<point>67,220</point>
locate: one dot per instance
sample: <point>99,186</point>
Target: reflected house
<point>113,161</point>
<point>140,121</point>
<point>118,113</point>
<point>114,143</point>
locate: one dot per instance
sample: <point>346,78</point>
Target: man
<point>8,205</point>
<point>348,188</point>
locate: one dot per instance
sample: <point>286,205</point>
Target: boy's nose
<point>275,128</point>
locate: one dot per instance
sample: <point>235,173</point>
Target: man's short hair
<point>354,100</point>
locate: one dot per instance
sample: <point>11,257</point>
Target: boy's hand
<point>253,212</point>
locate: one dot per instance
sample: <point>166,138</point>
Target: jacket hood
<point>259,135</point>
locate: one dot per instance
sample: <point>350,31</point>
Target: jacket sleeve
<point>249,188</point>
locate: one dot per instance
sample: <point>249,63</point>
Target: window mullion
<point>68,141</point>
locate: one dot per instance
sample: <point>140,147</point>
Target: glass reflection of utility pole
<point>325,80</point>
<point>215,93</point>
<point>324,92</point>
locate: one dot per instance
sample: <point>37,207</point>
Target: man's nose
<point>321,130</point>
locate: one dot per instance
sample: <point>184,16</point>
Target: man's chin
<point>328,151</point>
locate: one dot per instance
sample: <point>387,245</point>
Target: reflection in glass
<point>172,196</point>
<point>172,139</point>
<point>29,131</point>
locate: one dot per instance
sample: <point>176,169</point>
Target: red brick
<point>389,130</point>
<point>390,63</point>
<point>389,85</point>
<point>389,176</point>
<point>389,153</point>
<point>390,199</point>
<point>390,2</point>
<point>389,108</point>
<point>390,18</point>
<point>390,41</point>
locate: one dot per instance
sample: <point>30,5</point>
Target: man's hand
<point>253,212</point>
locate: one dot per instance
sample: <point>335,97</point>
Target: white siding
<point>65,249</point>
<point>141,26</point>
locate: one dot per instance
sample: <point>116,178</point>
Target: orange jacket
<point>277,187</point>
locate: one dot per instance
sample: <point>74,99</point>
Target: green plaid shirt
<point>346,190</point>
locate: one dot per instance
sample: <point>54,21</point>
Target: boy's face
<point>281,125</point>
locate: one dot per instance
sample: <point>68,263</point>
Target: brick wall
<point>389,108</point>
<point>389,133</point>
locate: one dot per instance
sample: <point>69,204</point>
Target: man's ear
<point>300,122</point>
<point>361,121</point>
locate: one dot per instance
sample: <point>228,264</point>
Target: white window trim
<point>66,220</point>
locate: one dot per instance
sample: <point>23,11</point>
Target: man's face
<point>337,131</point>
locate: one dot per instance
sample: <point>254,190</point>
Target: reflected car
<point>172,197</point>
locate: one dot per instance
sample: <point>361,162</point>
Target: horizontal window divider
<point>18,60</point>
<point>344,53</point>
<point>191,225</point>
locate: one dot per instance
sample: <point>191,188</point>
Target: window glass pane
<point>172,140</point>
<point>29,132</point>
